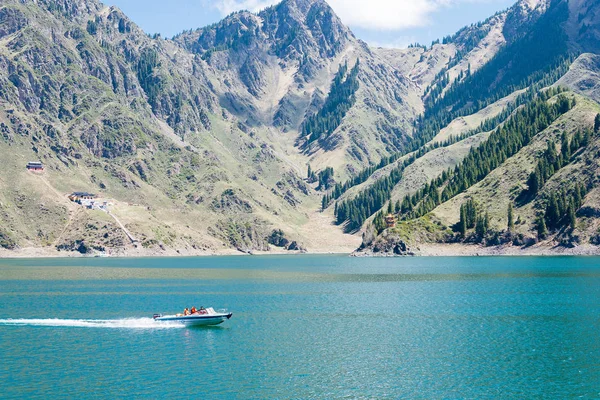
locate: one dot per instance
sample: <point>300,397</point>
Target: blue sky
<point>388,23</point>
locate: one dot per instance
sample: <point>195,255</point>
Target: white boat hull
<point>212,318</point>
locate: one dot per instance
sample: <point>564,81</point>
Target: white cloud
<point>385,14</point>
<point>368,14</point>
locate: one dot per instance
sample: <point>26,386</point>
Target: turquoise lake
<point>303,327</point>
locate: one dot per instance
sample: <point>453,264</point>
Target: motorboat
<point>202,317</point>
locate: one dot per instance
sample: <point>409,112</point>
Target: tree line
<point>357,210</point>
<point>146,66</point>
<point>485,126</point>
<point>551,162</point>
<point>560,211</point>
<point>340,188</point>
<point>502,144</point>
<point>429,129</point>
<point>541,56</point>
<point>341,98</point>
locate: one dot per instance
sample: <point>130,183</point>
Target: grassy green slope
<point>503,186</point>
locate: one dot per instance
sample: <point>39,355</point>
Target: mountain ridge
<point>202,143</point>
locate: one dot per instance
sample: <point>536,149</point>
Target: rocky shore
<point>467,250</point>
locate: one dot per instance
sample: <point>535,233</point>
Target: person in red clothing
<point>193,310</point>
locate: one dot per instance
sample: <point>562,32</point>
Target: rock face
<point>387,246</point>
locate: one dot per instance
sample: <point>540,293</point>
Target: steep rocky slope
<point>276,70</point>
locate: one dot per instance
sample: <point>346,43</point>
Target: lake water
<point>303,327</point>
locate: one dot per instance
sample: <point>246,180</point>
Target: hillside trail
<point>75,210</point>
<point>63,198</point>
<point>127,233</point>
<point>72,217</point>
<point>71,207</point>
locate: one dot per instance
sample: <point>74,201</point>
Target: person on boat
<point>202,310</point>
<point>193,310</point>
<point>186,311</point>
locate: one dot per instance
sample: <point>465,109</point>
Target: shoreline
<point>35,253</point>
<point>424,250</point>
<point>470,250</point>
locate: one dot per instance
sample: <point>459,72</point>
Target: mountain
<point>281,131</point>
<point>465,201</point>
<point>276,70</point>
<point>111,111</point>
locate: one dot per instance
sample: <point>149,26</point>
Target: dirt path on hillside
<point>75,210</point>
<point>70,205</point>
<point>72,208</point>
<point>72,217</point>
<point>129,235</point>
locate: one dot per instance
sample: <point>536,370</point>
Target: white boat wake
<point>126,323</point>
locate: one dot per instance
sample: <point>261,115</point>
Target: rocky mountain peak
<point>300,31</point>
<point>532,5</point>
<point>522,15</point>
<point>74,9</point>
<point>301,27</point>
<point>304,6</point>
<point>306,12</point>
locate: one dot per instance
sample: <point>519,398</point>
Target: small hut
<point>36,166</point>
<point>390,221</point>
<point>78,196</point>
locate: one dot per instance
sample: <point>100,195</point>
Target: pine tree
<point>390,209</point>
<point>511,220</point>
<point>480,228</point>
<point>552,212</point>
<point>551,153</point>
<point>597,124</point>
<point>463,221</point>
<point>577,197</point>
<point>542,231</point>
<point>534,182</point>
<point>470,214</point>
<point>572,218</point>
<point>92,27</point>
<point>326,179</point>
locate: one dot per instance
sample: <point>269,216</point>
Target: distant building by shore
<point>35,166</point>
<point>390,221</point>
<point>78,196</point>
